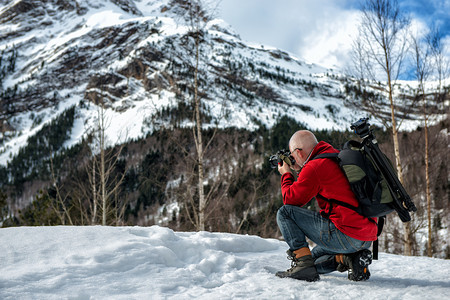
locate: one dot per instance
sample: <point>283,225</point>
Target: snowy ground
<point>158,263</point>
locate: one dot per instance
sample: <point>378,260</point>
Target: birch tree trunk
<point>102,168</point>
<point>380,49</point>
<point>198,18</point>
<point>199,142</point>
<point>94,193</point>
<point>427,179</point>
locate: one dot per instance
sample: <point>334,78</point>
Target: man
<point>342,235</point>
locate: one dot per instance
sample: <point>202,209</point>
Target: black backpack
<point>366,181</point>
<point>372,179</point>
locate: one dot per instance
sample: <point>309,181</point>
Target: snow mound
<point>158,263</point>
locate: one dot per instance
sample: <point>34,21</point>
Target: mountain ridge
<point>62,58</point>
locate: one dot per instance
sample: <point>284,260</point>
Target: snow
<point>157,263</point>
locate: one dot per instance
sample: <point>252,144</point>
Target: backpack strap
<point>341,203</point>
<point>381,220</point>
<point>335,156</point>
<point>380,224</point>
<point>326,155</point>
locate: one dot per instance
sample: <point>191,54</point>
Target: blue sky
<point>319,31</point>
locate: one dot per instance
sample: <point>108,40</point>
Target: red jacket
<point>323,176</point>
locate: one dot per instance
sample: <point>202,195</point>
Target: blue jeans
<point>297,223</point>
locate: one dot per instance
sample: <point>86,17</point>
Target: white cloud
<point>316,31</point>
<point>419,28</point>
<point>329,42</point>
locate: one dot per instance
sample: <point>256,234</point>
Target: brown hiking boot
<point>302,268</point>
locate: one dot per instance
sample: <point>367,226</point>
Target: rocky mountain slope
<point>135,58</point>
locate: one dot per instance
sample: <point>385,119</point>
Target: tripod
<point>402,202</point>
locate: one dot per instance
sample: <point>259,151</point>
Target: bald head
<point>303,139</point>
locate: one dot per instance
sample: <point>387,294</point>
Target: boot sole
<point>360,266</point>
<point>309,274</point>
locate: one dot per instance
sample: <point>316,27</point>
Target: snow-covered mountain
<point>135,58</point>
<point>157,263</point>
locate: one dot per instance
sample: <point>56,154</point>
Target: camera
<point>280,157</point>
<point>361,128</point>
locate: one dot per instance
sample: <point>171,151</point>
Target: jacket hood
<point>321,147</point>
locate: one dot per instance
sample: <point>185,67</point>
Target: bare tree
<point>109,181</point>
<point>197,18</point>
<point>102,168</point>
<point>217,188</point>
<point>440,60</point>
<point>436,64</point>
<point>256,186</point>
<point>93,184</point>
<point>198,135</point>
<point>383,43</point>
<point>422,64</point>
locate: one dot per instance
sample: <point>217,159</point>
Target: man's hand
<point>284,168</point>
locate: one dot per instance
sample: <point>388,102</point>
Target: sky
<point>319,31</point>
<point>100,262</point>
